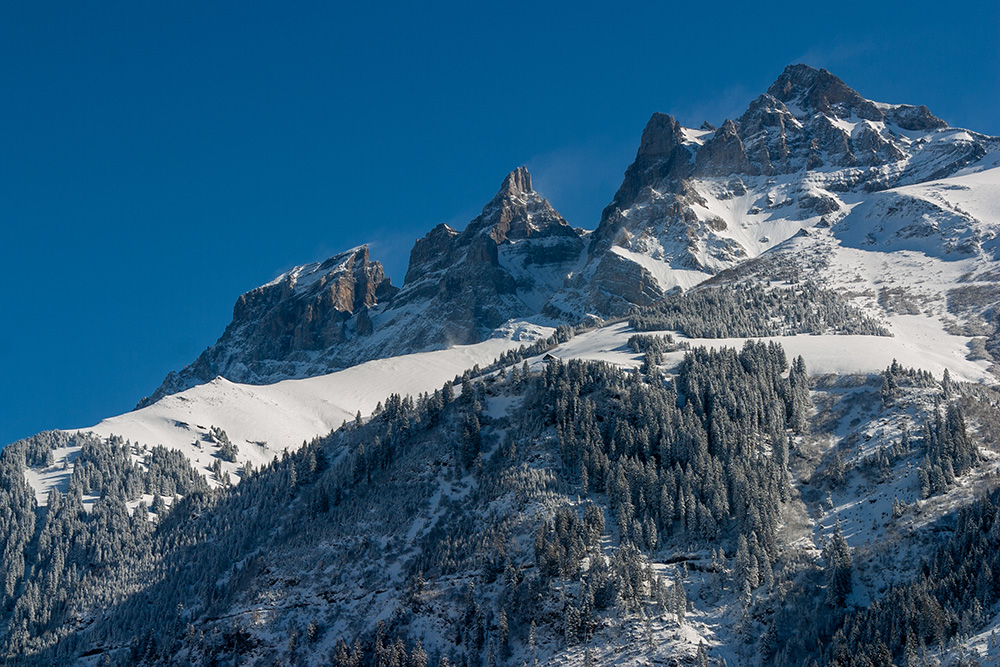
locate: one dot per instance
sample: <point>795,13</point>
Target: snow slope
<point>264,420</point>
<point>918,342</point>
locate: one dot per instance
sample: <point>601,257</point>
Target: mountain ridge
<point>692,203</point>
<point>767,443</point>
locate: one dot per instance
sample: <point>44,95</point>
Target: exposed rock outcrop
<point>798,147</point>
<point>459,287</point>
<point>305,311</point>
<point>506,263</point>
<point>691,204</point>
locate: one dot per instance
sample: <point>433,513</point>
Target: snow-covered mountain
<point>264,421</point>
<point>809,153</point>
<point>804,154</point>
<point>750,419</point>
<point>300,318</point>
<point>460,288</point>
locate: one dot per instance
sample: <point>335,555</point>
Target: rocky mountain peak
<point>517,212</point>
<point>662,135</point>
<point>810,119</point>
<point>662,161</point>
<point>817,90</point>
<point>916,118</point>
<point>516,184</point>
<point>506,263</point>
<point>430,252</point>
<point>692,203</point>
<point>811,90</point>
<point>675,206</point>
<point>343,283</point>
<point>305,311</point>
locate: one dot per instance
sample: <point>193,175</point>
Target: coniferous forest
<point>526,507</point>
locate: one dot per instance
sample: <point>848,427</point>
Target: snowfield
<point>264,420</point>
<point>917,342</point>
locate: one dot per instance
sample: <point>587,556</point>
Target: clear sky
<point>159,159</point>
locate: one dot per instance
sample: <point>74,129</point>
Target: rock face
<point>309,308</point>
<point>506,264</point>
<point>300,313</point>
<point>459,288</point>
<point>693,203</point>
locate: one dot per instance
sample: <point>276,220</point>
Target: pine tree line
<point>743,310</point>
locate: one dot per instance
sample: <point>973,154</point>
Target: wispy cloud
<point>579,180</point>
<point>731,102</point>
<point>842,54</point>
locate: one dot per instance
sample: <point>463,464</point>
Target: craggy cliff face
<point>301,313</point>
<point>695,202</point>
<point>459,287</point>
<point>309,308</point>
<point>506,264</point>
<point>692,204</point>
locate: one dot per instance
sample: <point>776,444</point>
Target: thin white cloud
<point>579,180</point>
<point>730,103</point>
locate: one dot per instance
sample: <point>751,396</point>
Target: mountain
<point>804,154</point>
<point>750,419</point>
<point>809,153</point>
<point>298,318</point>
<point>460,287</point>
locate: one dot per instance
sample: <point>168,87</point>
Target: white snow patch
<point>666,276</point>
<point>263,420</point>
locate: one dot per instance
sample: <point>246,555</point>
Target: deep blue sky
<point>159,159</point>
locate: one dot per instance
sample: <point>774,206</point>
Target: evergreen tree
<point>838,569</point>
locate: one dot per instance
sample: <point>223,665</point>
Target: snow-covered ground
<point>666,276</point>
<point>917,342</point>
<point>264,420</point>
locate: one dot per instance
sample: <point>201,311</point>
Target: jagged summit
<point>662,158</point>
<point>517,183</point>
<point>506,263</point>
<point>301,313</point>
<point>348,281</point>
<point>819,91</point>
<point>693,202</point>
<point>459,287</point>
<point>661,136</point>
<point>516,212</point>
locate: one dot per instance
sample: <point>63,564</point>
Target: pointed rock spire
<point>661,158</point>
<point>517,211</point>
<point>662,135</point>
<point>517,182</point>
<point>819,90</point>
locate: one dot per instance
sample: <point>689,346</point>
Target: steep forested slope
<point>551,511</point>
